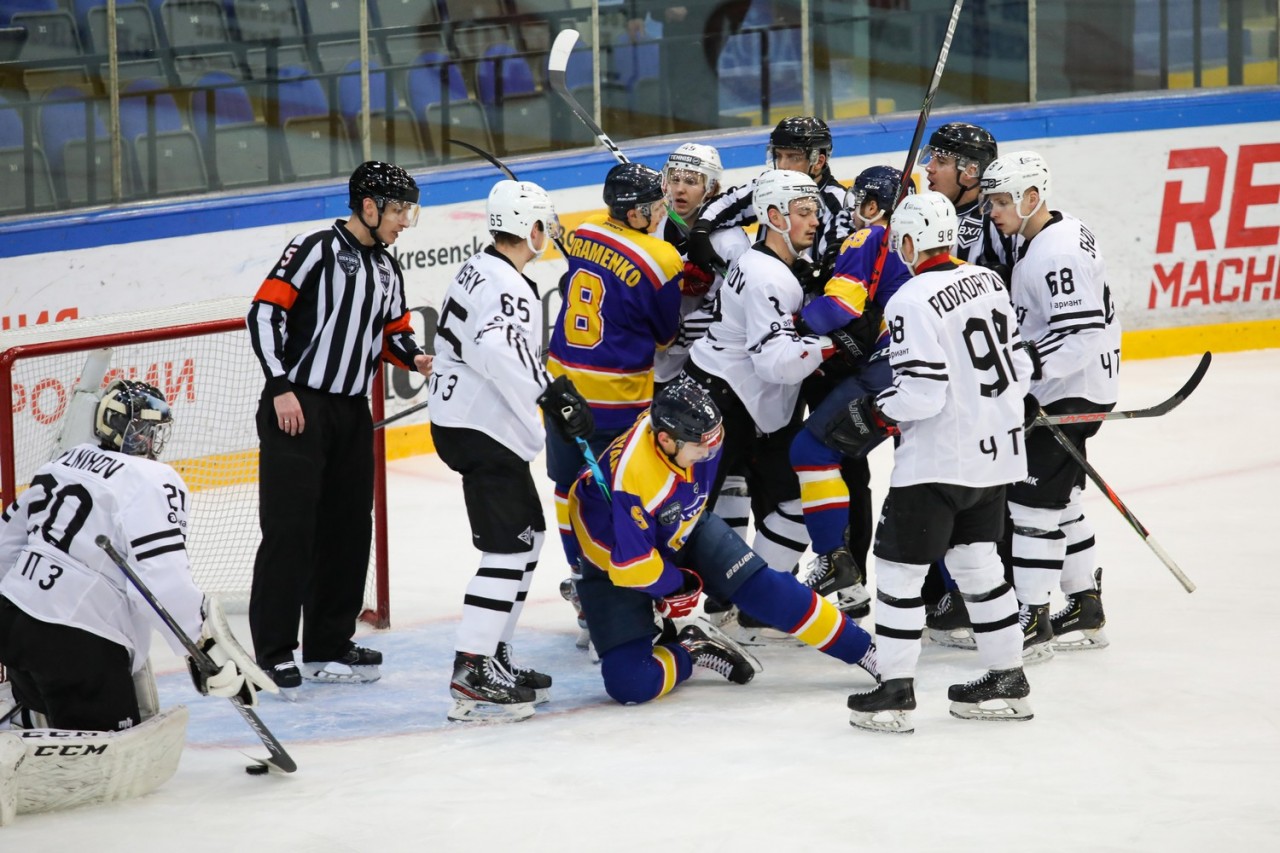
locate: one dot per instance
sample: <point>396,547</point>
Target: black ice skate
<point>837,572</point>
<point>947,623</point>
<point>1083,619</point>
<point>886,708</point>
<point>287,678</point>
<point>357,666</point>
<point>1037,633</point>
<point>1000,694</point>
<point>711,649</point>
<point>483,691</point>
<point>538,682</point>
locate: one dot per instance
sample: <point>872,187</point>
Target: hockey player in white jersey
<point>76,633</point>
<point>752,360</point>
<point>487,385</point>
<point>957,401</point>
<point>1069,324</point>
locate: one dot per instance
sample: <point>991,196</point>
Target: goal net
<point>200,356</point>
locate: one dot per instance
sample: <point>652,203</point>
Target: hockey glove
<point>863,428</point>
<point>695,282</point>
<point>1030,410</point>
<point>857,338</point>
<point>700,252</point>
<point>227,682</point>
<point>680,603</point>
<point>1036,363</point>
<point>566,410</point>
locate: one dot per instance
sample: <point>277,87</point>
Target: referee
<point>332,305</point>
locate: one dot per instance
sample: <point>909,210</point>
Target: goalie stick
<point>883,251</point>
<point>279,760</point>
<point>1074,452</point>
<point>1151,412</point>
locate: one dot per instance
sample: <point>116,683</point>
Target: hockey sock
<point>572,552</point>
<point>1039,547</point>
<point>992,606</point>
<point>1081,559</point>
<point>525,581</point>
<point>949,581</point>
<point>824,495</point>
<point>782,539</point>
<point>638,671</point>
<point>899,617</point>
<point>733,504</point>
<point>778,599</point>
<point>490,598</point>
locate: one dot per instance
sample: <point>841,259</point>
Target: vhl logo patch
<point>384,276</point>
<point>349,262</point>
<point>970,231</point>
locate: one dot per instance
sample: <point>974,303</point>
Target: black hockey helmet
<point>630,185</point>
<point>685,411</point>
<point>807,133</point>
<point>133,418</point>
<point>382,182</point>
<point>881,183</point>
<point>964,142</point>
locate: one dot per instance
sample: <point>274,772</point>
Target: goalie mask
<point>133,418</point>
<point>514,207</point>
<point>929,219</point>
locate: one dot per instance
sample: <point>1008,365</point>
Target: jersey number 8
<point>583,323</point>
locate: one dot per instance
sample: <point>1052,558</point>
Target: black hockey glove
<point>1030,410</point>
<point>566,410</point>
<point>863,427</point>
<point>699,250</point>
<point>1036,363</point>
<point>857,338</point>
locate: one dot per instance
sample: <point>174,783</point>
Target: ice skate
<point>1037,633</point>
<point>947,624</point>
<point>358,666</point>
<point>483,691</point>
<point>712,649</point>
<point>749,631</point>
<point>569,592</point>
<point>837,572</point>
<point>287,678</point>
<point>538,682</point>
<point>1078,626</point>
<point>722,614</point>
<point>886,708</point>
<point>999,694</point>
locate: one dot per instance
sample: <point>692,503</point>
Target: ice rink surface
<point>1168,740</point>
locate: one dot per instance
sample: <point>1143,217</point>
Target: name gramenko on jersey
<point>601,255</point>
<point>86,459</point>
<point>958,292</point>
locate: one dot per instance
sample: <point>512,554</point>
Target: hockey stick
<point>1152,412</point>
<point>280,760</point>
<point>398,415</point>
<point>596,473</point>
<point>1074,452</point>
<point>929,94</point>
<point>556,65</point>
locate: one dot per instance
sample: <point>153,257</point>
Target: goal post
<point>201,357</point>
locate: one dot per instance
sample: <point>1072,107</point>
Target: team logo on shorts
<point>527,536</point>
<point>349,262</point>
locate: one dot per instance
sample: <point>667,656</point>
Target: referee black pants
<point>315,508</point>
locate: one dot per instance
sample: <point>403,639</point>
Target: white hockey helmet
<point>1015,174</point>
<point>695,157</point>
<point>514,206</point>
<point>929,219</point>
<point>779,188</point>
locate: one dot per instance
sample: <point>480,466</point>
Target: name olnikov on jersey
<point>61,576</point>
<point>953,325</point>
<point>1064,308</point>
<point>487,375</point>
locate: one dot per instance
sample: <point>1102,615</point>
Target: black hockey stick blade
<point>1151,412</point>
<point>398,415</point>
<point>279,759</point>
<point>1074,453</point>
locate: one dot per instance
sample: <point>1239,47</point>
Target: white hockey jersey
<point>959,376</point>
<point>51,568</point>
<point>752,342</point>
<point>697,312</point>
<point>1064,308</point>
<point>487,374</point>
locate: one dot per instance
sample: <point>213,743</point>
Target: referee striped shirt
<point>735,207</point>
<point>328,311</point>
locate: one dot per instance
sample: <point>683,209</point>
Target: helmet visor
<point>405,211</point>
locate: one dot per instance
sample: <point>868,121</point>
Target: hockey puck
<point>256,769</point>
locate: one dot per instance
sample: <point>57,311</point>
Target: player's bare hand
<point>423,363</point>
<point>289,414</point>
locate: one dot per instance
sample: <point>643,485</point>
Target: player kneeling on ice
<point>648,540</point>
<point>76,634</point>
<point>957,402</point>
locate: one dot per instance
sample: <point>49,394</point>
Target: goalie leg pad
<point>62,769</point>
<point>144,684</point>
<point>12,754</point>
